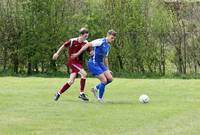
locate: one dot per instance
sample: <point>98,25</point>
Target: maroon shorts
<point>75,67</point>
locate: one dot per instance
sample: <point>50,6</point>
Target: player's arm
<point>106,62</point>
<point>56,55</point>
<point>90,51</point>
<point>81,50</point>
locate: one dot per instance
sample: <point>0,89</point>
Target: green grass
<point>27,108</point>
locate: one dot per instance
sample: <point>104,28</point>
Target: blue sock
<point>98,85</point>
<point>109,81</point>
<point>101,89</point>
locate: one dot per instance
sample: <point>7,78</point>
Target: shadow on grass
<point>119,102</point>
<point>106,102</point>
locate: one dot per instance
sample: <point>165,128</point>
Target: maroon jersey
<point>73,47</point>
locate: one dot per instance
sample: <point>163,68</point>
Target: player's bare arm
<point>56,55</point>
<point>106,61</point>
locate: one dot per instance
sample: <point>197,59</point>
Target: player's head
<point>111,34</point>
<point>84,33</point>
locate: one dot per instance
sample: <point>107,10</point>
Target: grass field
<point>27,108</point>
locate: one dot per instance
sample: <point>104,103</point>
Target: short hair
<point>83,31</point>
<point>112,32</point>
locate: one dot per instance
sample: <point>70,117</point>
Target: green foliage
<point>150,34</point>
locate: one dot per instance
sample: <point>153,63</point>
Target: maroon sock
<point>82,83</point>
<point>64,88</point>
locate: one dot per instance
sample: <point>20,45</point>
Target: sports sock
<point>82,84</point>
<point>101,89</point>
<point>81,93</point>
<point>98,85</point>
<point>108,81</point>
<point>64,88</point>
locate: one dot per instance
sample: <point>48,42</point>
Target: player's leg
<point>66,85</point>
<point>78,68</point>
<point>101,86</point>
<point>83,74</point>
<point>105,77</point>
<point>82,95</point>
<point>109,76</point>
<point>96,70</point>
<point>69,83</point>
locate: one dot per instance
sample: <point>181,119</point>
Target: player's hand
<point>74,55</point>
<point>91,53</point>
<point>55,56</point>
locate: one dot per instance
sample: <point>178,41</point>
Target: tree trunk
<point>179,55</point>
<point>29,67</point>
<point>163,58</point>
<point>53,65</point>
<point>42,64</point>
<point>15,63</point>
<point>120,62</point>
<point>36,68</point>
<point>184,50</point>
<point>5,53</point>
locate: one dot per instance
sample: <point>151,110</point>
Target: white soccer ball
<point>144,99</point>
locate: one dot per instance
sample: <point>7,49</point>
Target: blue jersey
<point>101,49</point>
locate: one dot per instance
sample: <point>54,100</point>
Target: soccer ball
<point>143,99</point>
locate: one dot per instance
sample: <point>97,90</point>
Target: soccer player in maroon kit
<point>76,65</point>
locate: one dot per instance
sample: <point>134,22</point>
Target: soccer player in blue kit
<point>98,62</point>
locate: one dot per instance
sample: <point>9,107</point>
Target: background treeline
<point>156,37</point>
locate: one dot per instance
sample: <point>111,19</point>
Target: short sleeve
<point>67,43</point>
<point>96,42</point>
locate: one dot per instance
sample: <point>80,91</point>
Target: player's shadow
<point>107,102</point>
<point>118,102</point>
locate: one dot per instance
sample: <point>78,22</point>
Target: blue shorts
<point>96,68</point>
